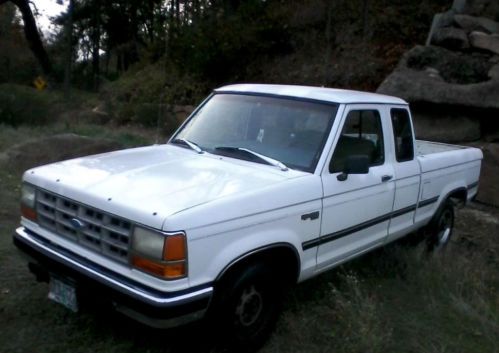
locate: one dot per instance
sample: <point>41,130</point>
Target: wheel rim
<point>249,307</point>
<point>445,227</point>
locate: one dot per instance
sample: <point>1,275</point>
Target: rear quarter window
<point>402,134</point>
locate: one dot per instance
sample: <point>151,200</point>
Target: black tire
<point>247,306</point>
<point>441,227</point>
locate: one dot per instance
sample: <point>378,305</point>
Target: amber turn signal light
<point>28,213</point>
<point>166,270</point>
<point>175,248</point>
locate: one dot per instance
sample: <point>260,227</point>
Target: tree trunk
<point>365,19</point>
<point>32,35</point>
<point>96,46</point>
<point>69,50</point>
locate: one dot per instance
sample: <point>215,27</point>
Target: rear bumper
<point>147,305</point>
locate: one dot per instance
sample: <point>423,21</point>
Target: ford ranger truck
<point>262,187</point>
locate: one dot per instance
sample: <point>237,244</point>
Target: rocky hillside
<point>452,82</point>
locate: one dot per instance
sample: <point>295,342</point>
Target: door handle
<point>386,178</point>
<point>311,216</point>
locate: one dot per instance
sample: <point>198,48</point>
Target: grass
<point>400,299</point>
<point>128,136</point>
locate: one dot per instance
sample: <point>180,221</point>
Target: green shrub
<point>24,105</point>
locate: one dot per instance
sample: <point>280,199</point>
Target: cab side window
<point>362,134</point>
<point>402,133</point>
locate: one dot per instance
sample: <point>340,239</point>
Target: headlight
<point>28,196</point>
<point>148,243</point>
<point>161,254</point>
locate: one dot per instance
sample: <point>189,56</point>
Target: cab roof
<point>333,95</point>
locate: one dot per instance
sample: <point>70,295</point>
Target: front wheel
<point>248,306</point>
<point>440,228</point>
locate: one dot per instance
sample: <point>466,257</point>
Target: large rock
<point>433,126</point>
<point>413,83</point>
<point>454,67</point>
<point>485,41</point>
<point>459,6</point>
<point>494,72</point>
<point>487,8</point>
<point>440,20</point>
<point>488,191</point>
<point>471,23</point>
<point>450,38</point>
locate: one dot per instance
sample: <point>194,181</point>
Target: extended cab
<point>263,186</point>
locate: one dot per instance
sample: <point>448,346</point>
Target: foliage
<point>453,67</point>
<point>24,105</point>
<point>16,62</point>
<point>148,95</point>
<point>222,42</point>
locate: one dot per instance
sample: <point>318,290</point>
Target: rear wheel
<point>441,227</point>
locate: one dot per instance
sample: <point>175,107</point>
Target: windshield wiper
<point>190,144</point>
<point>268,160</point>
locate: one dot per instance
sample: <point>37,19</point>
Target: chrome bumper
<point>42,251</point>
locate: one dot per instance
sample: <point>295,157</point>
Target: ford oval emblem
<point>77,224</point>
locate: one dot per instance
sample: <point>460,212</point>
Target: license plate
<point>63,291</point>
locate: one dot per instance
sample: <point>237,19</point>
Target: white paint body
<point>229,207</point>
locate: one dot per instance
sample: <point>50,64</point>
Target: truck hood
<point>149,184</point>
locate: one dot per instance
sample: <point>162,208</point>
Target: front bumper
<point>150,306</point>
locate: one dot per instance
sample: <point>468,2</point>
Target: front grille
<point>100,231</point>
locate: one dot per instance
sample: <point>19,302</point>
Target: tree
<point>32,35</point>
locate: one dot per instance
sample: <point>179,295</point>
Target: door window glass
<point>362,134</point>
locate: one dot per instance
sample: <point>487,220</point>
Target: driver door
<point>356,211</point>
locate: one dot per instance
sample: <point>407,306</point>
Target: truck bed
<point>434,156</point>
<point>427,147</point>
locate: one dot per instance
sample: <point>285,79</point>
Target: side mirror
<point>354,164</point>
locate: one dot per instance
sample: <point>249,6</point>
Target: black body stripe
<point>353,229</point>
<point>473,185</point>
<point>403,211</point>
<point>428,201</point>
<point>343,233</point>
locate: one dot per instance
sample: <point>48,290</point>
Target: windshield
<point>290,131</point>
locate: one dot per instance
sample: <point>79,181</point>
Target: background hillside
<point>135,60</point>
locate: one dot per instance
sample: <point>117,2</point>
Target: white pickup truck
<point>262,187</point>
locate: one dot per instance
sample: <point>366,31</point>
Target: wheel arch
<point>460,195</point>
<point>284,256</point>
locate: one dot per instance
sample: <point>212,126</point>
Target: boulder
<point>432,126</point>
<point>413,82</point>
<point>450,38</point>
<point>487,8</point>
<point>419,86</point>
<point>440,20</point>
<point>488,191</point>
<point>459,6</point>
<point>471,23</point>
<point>485,41</point>
<point>453,67</point>
<point>494,72</point>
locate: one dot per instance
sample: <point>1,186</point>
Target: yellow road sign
<point>40,83</point>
